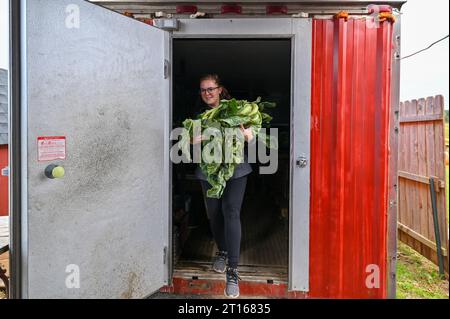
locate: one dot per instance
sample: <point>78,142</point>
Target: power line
<point>425,48</point>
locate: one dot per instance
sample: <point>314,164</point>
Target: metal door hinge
<point>300,15</point>
<point>165,255</point>
<point>169,24</point>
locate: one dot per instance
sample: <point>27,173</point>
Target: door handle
<point>302,161</point>
<point>53,171</point>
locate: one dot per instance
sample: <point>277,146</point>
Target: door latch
<point>302,161</point>
<point>166,69</point>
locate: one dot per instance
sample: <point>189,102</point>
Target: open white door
<point>94,79</point>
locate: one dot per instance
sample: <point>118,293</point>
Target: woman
<point>224,213</point>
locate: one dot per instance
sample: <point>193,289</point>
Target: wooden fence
<point>421,156</point>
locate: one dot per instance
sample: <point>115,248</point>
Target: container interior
<point>248,68</point>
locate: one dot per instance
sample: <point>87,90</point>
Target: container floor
<point>264,242</point>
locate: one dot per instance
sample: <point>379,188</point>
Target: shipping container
<point>97,87</point>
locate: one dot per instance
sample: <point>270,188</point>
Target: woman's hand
<point>247,132</point>
<point>198,139</point>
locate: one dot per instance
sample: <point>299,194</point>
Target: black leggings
<point>224,217</point>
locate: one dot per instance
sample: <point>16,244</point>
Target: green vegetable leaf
<point>229,114</point>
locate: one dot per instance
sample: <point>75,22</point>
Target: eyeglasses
<point>209,90</point>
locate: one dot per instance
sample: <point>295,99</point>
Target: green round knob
<point>54,171</point>
<point>58,172</point>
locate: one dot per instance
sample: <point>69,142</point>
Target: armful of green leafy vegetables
<point>229,114</point>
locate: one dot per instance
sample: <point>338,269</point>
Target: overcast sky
<point>4,21</point>
<point>423,22</point>
<point>425,74</point>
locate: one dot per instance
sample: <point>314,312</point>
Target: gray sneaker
<point>232,286</point>
<point>220,261</point>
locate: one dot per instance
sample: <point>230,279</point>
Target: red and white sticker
<point>51,148</point>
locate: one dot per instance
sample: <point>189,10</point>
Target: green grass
<point>417,277</point>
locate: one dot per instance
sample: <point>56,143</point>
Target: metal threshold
<point>260,274</point>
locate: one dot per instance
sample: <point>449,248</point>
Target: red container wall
<point>349,158</point>
<point>3,181</point>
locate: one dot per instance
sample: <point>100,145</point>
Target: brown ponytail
<point>214,77</point>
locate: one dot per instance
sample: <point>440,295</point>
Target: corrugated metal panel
<point>349,157</point>
<point>3,106</point>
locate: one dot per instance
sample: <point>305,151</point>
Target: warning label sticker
<point>51,148</point>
